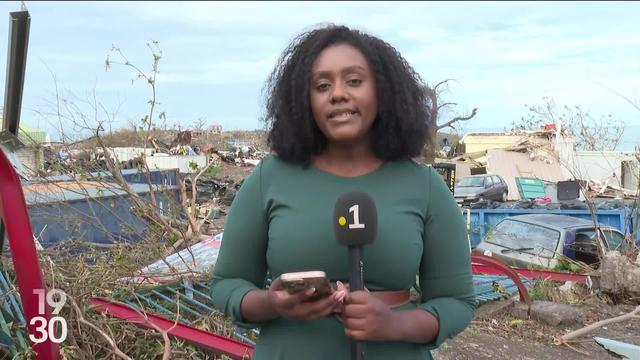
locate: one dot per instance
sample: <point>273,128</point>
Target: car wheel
<point>504,197</point>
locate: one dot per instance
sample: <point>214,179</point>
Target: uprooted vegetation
<point>98,273</point>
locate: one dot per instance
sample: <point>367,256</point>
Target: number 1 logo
<point>355,209</point>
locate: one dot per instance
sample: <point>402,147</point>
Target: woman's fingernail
<point>310,291</point>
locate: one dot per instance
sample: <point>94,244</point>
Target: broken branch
<point>109,339</point>
<point>459,118</point>
<point>587,329</point>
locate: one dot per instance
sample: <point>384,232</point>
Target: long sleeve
<point>241,265</point>
<point>445,270</point>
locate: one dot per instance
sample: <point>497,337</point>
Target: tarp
<point>195,260</point>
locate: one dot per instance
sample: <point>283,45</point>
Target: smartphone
<point>306,280</point>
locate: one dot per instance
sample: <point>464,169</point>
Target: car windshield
<point>614,240</point>
<point>471,182</point>
<point>536,239</point>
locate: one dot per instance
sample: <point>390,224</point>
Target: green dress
<point>281,221</point>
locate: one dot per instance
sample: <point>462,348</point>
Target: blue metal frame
<point>12,308</point>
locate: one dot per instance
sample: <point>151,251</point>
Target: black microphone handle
<point>356,282</point>
<point>356,273</point>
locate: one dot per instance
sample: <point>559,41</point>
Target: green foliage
<point>211,171</point>
<point>516,323</point>
<point>564,264</point>
<point>541,290</point>
<point>193,165</point>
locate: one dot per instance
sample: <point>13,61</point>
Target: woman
<point>346,113</point>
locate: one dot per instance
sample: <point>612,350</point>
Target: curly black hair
<point>402,119</point>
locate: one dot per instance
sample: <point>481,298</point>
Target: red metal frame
<point>23,251</point>
<point>203,339</point>
<point>505,269</point>
<point>532,274</point>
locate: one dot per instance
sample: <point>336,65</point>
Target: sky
<point>216,56</point>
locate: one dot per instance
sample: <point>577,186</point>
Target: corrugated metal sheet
<point>68,191</point>
<point>196,259</point>
<point>493,287</point>
<point>12,322</point>
<point>133,176</point>
<point>194,304</point>
<point>511,164</point>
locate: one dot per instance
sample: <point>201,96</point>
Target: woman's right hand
<point>298,305</point>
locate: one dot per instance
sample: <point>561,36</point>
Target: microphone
<point>355,224</point>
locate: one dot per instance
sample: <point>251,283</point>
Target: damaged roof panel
<point>511,164</point>
<point>197,259</point>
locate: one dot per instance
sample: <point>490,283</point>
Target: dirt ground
<point>233,172</point>
<point>500,338</point>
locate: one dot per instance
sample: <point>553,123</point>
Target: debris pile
<point>619,275</point>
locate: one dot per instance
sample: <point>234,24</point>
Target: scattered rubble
<point>619,275</point>
<point>128,148</point>
<point>547,312</point>
<point>602,204</point>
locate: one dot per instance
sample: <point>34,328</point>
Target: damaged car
<point>481,187</point>
<point>541,240</point>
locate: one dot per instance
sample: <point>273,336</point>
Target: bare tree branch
<point>631,102</point>
<point>459,118</point>
<point>117,352</point>
<point>446,104</point>
<point>587,329</point>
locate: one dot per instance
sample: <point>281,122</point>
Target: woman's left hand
<point>366,317</point>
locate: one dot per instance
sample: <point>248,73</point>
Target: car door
<point>498,187</point>
<point>501,185</point>
<point>488,188</point>
<point>586,246</point>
